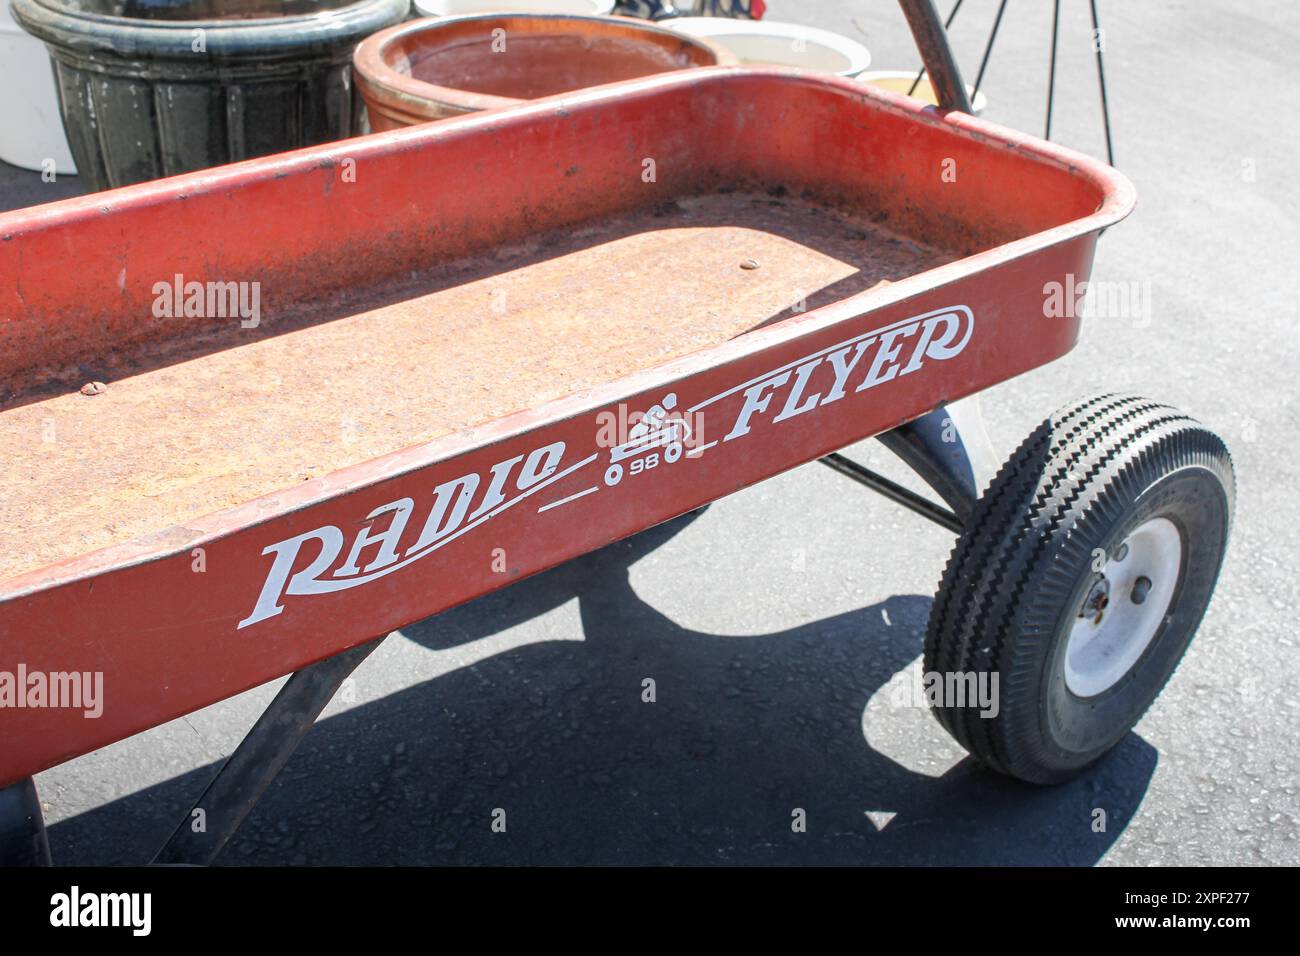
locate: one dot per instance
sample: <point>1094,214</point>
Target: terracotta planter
<point>432,69</point>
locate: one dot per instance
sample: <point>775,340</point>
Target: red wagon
<point>339,390</point>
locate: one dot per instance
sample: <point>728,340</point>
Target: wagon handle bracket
<point>947,447</point>
<point>936,53</point>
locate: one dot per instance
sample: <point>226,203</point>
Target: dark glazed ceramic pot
<point>151,88</point>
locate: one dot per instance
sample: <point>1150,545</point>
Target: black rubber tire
<point>1018,575</point>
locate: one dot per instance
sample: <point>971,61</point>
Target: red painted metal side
<point>169,640</point>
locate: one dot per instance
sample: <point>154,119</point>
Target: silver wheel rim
<point>1122,613</point>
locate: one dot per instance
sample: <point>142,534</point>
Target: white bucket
<point>779,44</point>
<point>900,81</point>
<point>31,130</point>
<point>447,8</point>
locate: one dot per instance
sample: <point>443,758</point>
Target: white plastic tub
<point>900,81</point>
<point>447,8</point>
<point>31,130</point>
<point>771,42</point>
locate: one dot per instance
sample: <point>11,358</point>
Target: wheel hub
<point>1094,605</point>
<point>1123,610</point>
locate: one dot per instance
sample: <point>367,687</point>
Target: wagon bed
<point>215,419</point>
<point>164,534</point>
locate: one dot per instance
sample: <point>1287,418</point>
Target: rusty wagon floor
<point>217,422</point>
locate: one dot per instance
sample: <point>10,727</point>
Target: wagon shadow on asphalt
<point>743,730</point>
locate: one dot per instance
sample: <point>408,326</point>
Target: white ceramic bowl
<point>779,44</point>
<point>31,130</point>
<point>900,81</point>
<point>447,8</point>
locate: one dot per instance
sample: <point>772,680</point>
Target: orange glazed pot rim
<point>379,61</point>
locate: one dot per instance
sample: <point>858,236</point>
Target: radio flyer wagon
<point>406,401</point>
